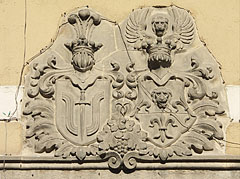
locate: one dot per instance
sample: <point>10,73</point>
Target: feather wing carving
<point>183,25</point>
<point>135,31</point>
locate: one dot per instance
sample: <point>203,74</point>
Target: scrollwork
<point>149,111</point>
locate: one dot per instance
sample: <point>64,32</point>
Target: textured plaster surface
<point>233,96</point>
<point>8,103</point>
<point>41,30</point>
<point>219,30</point>
<point>9,93</point>
<point>14,134</point>
<point>233,135</point>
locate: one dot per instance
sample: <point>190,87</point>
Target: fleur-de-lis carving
<point>161,127</point>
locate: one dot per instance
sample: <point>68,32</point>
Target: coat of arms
<point>144,90</point>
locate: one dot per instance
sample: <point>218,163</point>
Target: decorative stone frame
<point>144,94</point>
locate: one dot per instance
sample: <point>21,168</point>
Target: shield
<point>167,116</point>
<point>80,113</point>
<point>163,128</point>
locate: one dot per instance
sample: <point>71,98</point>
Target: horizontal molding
<point>226,162</point>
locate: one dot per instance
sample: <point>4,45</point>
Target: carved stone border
<point>176,163</point>
<point>164,103</point>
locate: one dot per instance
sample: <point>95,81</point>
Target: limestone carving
<point>144,90</point>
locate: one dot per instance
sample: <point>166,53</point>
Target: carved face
<point>159,25</point>
<point>160,97</point>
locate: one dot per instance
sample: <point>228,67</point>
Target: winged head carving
<point>160,32</point>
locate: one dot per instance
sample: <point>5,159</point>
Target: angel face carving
<point>159,25</point>
<point>161,96</point>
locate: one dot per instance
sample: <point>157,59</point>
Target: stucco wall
<point>218,23</point>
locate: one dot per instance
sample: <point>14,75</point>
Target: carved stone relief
<point>147,89</point>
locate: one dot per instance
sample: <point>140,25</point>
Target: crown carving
<point>82,48</point>
<point>160,53</point>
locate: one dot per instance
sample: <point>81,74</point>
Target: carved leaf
<point>198,142</point>
<point>47,143</point>
<point>40,126</point>
<point>81,153</point>
<point>181,149</point>
<point>209,127</point>
<point>63,149</point>
<point>93,149</point>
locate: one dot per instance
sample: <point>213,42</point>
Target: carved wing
<point>135,32</point>
<point>183,25</point>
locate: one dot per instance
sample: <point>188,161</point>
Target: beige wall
<point>217,21</point>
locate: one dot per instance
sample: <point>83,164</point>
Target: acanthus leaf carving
<point>85,102</point>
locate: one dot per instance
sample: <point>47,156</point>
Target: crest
<point>80,113</point>
<point>142,91</point>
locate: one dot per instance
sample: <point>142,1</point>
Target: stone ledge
<point>228,162</point>
<point>104,174</point>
